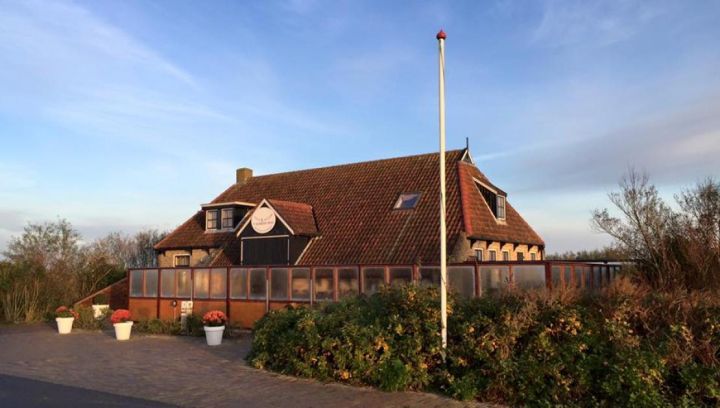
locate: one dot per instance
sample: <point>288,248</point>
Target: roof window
<point>407,201</point>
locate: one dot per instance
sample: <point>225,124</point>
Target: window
<point>218,282</point>
<point>238,283</point>
<point>506,255</point>
<point>500,212</point>
<point>279,284</point>
<point>461,279</point>
<point>300,284</point>
<point>227,218</point>
<point>430,276</point>
<point>407,201</point>
<point>324,287</point>
<point>479,255</point>
<point>136,283</point>
<point>373,278</point>
<point>400,276</point>
<point>167,283</point>
<point>347,282</point>
<point>181,260</point>
<point>257,284</point>
<point>493,255</point>
<point>151,283</point>
<point>211,220</point>
<point>201,283</point>
<point>520,256</point>
<point>529,276</point>
<point>184,288</point>
<point>494,278</point>
<point>533,256</point>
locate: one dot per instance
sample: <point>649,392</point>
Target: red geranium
<point>121,316</point>
<point>214,318</point>
<point>63,311</point>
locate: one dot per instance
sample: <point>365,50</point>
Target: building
<point>377,212</point>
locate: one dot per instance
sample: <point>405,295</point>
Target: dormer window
<point>494,199</point>
<point>500,212</point>
<point>228,218</point>
<point>211,220</point>
<point>407,201</point>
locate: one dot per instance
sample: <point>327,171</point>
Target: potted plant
<point>64,318</point>
<point>214,326</point>
<point>122,322</point>
<point>100,305</point>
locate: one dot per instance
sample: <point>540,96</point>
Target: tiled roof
<point>353,211</point>
<point>191,234</point>
<point>480,223</point>
<point>299,216</point>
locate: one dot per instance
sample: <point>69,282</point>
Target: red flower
<point>121,316</point>
<point>63,311</point>
<point>214,318</point>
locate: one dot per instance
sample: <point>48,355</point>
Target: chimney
<point>242,175</point>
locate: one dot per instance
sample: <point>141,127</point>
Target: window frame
<point>493,255</point>
<point>500,203</point>
<point>520,256</point>
<point>506,256</point>
<point>223,218</point>
<point>208,227</point>
<point>479,255</point>
<point>175,260</point>
<point>404,197</point>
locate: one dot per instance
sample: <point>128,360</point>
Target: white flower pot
<point>122,330</point>
<point>99,310</point>
<point>64,324</point>
<point>214,335</point>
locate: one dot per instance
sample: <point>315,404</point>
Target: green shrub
<point>101,299</point>
<point>626,346</point>
<point>86,319</point>
<point>157,326</point>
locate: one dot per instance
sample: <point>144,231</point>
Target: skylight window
<point>500,213</point>
<point>407,201</point>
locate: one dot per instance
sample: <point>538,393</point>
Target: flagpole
<point>443,228</point>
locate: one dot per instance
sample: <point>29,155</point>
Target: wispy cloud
<point>593,22</point>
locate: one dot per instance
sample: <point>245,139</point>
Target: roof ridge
<point>359,163</point>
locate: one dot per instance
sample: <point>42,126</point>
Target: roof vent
<point>242,175</point>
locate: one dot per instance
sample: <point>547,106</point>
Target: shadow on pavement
<point>23,392</point>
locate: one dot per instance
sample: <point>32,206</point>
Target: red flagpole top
<point>441,35</point>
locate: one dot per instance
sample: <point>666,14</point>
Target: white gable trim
<point>267,203</point>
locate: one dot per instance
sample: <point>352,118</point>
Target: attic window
<point>500,212</point>
<point>407,201</point>
<point>211,220</point>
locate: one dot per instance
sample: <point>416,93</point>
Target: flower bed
<point>627,346</point>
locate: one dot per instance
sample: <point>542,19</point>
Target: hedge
<point>624,346</point>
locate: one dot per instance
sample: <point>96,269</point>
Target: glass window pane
<point>529,276</point>
<point>578,276</point>
<point>373,278</point>
<point>136,283</point>
<point>400,276</point>
<point>218,283</point>
<point>279,283</point>
<point>430,276</point>
<point>167,283</point>
<point>184,288</point>
<point>300,284</point>
<point>556,277</point>
<point>597,276</point>
<point>494,278</point>
<point>257,283</point>
<point>151,282</point>
<point>461,279</point>
<point>323,287</point>
<point>587,275</point>
<point>348,284</point>
<point>201,283</point>
<point>568,276</point>
<point>238,283</point>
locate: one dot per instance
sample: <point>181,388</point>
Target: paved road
<point>38,367</point>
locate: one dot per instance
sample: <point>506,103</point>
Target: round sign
<point>263,220</point>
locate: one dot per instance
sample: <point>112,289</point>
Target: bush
<point>101,299</point>
<point>157,326</point>
<point>626,346</point>
<point>86,319</point>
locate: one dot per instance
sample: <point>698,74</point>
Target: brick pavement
<point>178,370</point>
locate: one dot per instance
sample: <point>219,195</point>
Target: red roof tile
<point>353,211</point>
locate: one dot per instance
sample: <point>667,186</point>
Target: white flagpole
<point>443,229</point>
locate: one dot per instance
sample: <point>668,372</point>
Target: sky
<point>125,115</point>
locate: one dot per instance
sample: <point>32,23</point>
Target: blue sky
<point>125,115</point>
